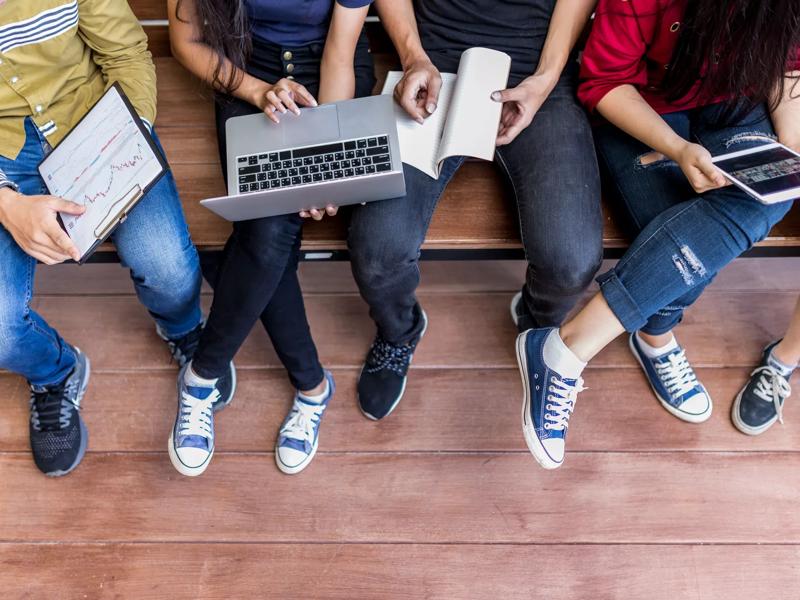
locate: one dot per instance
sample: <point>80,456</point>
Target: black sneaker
<point>58,434</point>
<point>383,377</point>
<point>520,315</point>
<point>760,403</point>
<point>183,350</point>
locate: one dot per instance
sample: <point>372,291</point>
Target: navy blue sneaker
<point>760,402</point>
<point>674,383</point>
<point>191,441</point>
<point>58,434</point>
<point>548,401</point>
<point>183,349</point>
<point>298,438</point>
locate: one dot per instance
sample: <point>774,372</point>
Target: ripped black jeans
<point>682,239</point>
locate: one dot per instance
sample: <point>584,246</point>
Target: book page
<point>100,164</point>
<point>419,143</point>
<point>473,117</point>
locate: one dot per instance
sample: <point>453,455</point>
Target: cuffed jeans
<point>552,170</point>
<point>153,243</point>
<point>684,239</point>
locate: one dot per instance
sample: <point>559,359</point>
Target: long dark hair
<point>226,30</point>
<point>738,49</point>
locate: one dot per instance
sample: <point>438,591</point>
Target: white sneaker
<point>191,441</point>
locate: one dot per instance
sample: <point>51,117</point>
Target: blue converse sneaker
<point>674,382</point>
<point>299,435</point>
<point>760,402</point>
<point>57,432</point>
<point>183,349</point>
<point>191,441</point>
<point>549,396</point>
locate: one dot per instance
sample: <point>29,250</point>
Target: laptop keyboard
<point>314,164</point>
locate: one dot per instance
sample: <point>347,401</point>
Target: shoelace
<point>772,387</point>
<point>301,422</point>
<point>677,374</point>
<point>195,415</point>
<point>385,355</point>
<point>561,402</point>
<point>51,407</point>
<point>183,349</point>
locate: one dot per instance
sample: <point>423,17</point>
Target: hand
<point>283,95</point>
<point>32,222</point>
<point>792,142</point>
<point>317,214</point>
<point>695,162</point>
<point>520,105</point>
<point>418,91</point>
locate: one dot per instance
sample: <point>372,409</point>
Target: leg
<point>553,172</point>
<point>788,349</point>
<point>154,244</point>
<point>384,240</point>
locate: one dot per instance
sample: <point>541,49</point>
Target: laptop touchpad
<point>315,125</point>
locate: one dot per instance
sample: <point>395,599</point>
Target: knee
<point>378,260</point>
<point>571,273</point>
<point>270,242</point>
<point>12,330</point>
<point>170,268</point>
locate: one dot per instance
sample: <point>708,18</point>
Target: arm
<point>185,36</point>
<point>786,116</point>
<point>337,77</point>
<point>418,91</point>
<point>119,48</point>
<point>520,104</point>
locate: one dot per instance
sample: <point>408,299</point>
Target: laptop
<point>341,153</point>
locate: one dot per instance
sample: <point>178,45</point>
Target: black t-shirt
<point>517,27</point>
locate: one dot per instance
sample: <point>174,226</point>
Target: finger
<point>304,214</point>
<point>316,215</point>
<point>508,135</point>
<point>62,241</point>
<point>406,94</point>
<point>269,110</point>
<point>65,206</point>
<point>711,172</point>
<point>274,99</point>
<point>331,210</point>
<point>45,253</point>
<point>304,97</point>
<point>508,95</point>
<point>286,97</point>
<point>432,93</point>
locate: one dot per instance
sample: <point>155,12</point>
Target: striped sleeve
<point>6,182</point>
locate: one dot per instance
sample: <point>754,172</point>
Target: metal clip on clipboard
<point>116,215</point>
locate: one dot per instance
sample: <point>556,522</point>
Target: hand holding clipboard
<point>107,163</point>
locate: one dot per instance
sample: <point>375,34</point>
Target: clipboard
<point>107,162</point>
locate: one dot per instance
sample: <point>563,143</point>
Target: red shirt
<point>632,42</point>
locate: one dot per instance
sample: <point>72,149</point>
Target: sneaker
<point>183,349</point>
<point>383,378</point>
<point>520,315</point>
<point>760,402</point>
<point>58,434</point>
<point>191,441</point>
<point>674,383</point>
<point>548,401</point>
<point>299,435</point>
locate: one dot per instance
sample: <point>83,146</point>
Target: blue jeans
<point>683,239</point>
<point>153,243</point>
<point>554,181</point>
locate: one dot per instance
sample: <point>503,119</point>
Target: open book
<point>466,120</point>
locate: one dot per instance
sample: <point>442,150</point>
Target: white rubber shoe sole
<point>294,470</point>
<point>528,431</point>
<point>185,469</point>
<point>744,427</point>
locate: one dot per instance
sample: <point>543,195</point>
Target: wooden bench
<point>475,218</point>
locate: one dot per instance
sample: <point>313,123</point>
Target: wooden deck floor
<point>440,501</point>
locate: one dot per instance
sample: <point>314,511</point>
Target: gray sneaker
<point>58,434</point>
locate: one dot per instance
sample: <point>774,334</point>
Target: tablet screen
<point>776,169</point>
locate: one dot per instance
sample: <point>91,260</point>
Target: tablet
<point>107,163</point>
<point>769,173</point>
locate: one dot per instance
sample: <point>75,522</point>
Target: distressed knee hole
<point>650,158</point>
<point>688,265</point>
<point>750,137</point>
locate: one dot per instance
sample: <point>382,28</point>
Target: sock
<point>783,369</point>
<point>194,380</point>
<point>317,398</point>
<point>559,358</point>
<point>652,352</point>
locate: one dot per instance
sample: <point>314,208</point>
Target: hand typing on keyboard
<point>284,94</point>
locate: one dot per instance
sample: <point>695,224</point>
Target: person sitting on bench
<point>57,57</point>
<point>679,82</point>
<point>544,148</point>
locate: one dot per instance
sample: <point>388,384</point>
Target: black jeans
<point>257,275</point>
<point>552,169</point>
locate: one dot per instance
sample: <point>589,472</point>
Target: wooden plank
<point>392,572</point>
<point>443,411</point>
<point>439,498</point>
<point>118,334</point>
